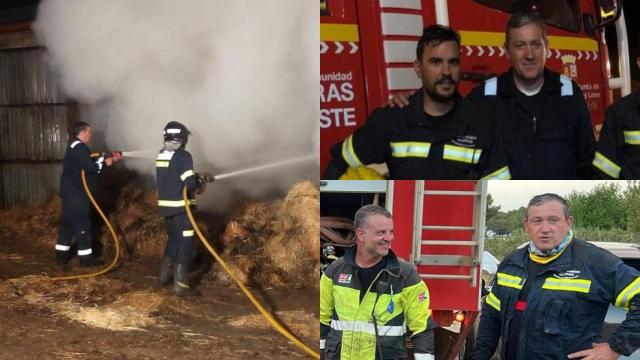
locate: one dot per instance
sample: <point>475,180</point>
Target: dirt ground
<point>121,315</point>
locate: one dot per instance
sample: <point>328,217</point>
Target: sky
<point>512,195</point>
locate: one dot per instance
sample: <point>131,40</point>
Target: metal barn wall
<point>34,119</point>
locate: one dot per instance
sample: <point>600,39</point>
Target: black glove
<point>207,177</point>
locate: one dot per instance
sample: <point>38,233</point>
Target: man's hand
<point>600,351</point>
<point>207,177</point>
<point>201,188</point>
<point>400,100</point>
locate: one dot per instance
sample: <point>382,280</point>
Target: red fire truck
<point>367,50</point>
<point>439,227</point>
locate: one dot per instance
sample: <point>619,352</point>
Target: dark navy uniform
<point>76,206</point>
<point>618,152</point>
<point>546,136</point>
<point>415,145</point>
<point>174,171</point>
<point>564,308</point>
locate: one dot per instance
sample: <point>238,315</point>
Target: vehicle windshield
<point>564,14</point>
<point>634,263</point>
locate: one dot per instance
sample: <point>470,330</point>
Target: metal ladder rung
<point>449,242</point>
<point>446,260</point>
<point>446,192</point>
<point>442,227</point>
<point>442,276</point>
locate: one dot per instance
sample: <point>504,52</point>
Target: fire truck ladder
<point>479,205</point>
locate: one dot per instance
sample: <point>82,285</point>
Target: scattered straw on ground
<point>299,322</point>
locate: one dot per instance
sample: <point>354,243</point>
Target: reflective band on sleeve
<point>175,203</point>
<point>576,285</point>
<point>607,166</point>
<point>501,174</point>
<point>423,356</point>
<point>322,341</point>
<point>567,86</point>
<point>188,233</point>
<point>348,154</point>
<point>410,149</point>
<point>632,137</point>
<point>493,301</point>
<point>462,154</point>
<point>84,252</point>
<point>186,174</point>
<point>162,163</point>
<point>491,86</point>
<point>73,144</point>
<point>628,293</point>
<point>62,247</point>
<point>367,327</point>
<point>511,281</point>
<point>173,131</point>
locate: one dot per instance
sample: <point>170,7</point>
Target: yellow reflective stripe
<point>628,293</point>
<point>487,38</point>
<point>493,301</point>
<point>162,163</point>
<point>607,166</point>
<point>577,285</point>
<point>462,154</point>
<point>348,154</point>
<point>632,137</point>
<point>511,281</point>
<point>410,149</point>
<point>186,174</point>
<point>188,233</point>
<point>339,32</point>
<point>501,174</point>
<point>175,203</point>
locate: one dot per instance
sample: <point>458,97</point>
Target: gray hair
<point>544,198</point>
<point>361,216</point>
<point>521,19</point>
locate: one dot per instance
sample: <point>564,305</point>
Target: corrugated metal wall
<point>34,119</point>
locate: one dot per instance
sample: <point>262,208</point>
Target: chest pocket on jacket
<point>549,319</point>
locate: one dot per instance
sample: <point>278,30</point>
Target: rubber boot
<point>165,272</point>
<point>62,258</point>
<point>88,261</point>
<point>181,282</point>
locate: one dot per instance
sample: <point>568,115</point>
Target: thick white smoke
<point>242,75</point>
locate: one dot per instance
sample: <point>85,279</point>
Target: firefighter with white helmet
<point>174,169</point>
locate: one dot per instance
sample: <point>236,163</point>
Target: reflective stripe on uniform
<point>422,356</point>
<point>410,149</point>
<point>186,174</point>
<point>607,166</point>
<point>84,252</point>
<point>188,233</point>
<point>63,247</point>
<point>175,203</point>
<point>511,281</point>
<point>367,327</point>
<point>462,154</point>
<point>577,285</point>
<point>322,342</point>
<point>501,174</point>
<point>493,301</point>
<point>162,163</point>
<point>632,137</point>
<point>491,86</point>
<point>628,293</point>
<point>172,131</point>
<point>73,144</point>
<point>348,154</point>
<point>567,86</point>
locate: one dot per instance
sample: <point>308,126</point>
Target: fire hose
<point>244,289</point>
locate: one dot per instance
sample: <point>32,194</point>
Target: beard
<point>432,91</point>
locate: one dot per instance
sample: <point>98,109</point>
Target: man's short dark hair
<point>79,127</point>
<point>543,198</point>
<point>435,35</point>
<point>521,19</point>
<point>361,216</point>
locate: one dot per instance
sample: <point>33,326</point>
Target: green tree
<point>632,206</point>
<point>601,208</point>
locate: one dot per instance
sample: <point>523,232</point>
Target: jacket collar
<point>392,264</point>
<point>507,86</point>
<point>565,260</point>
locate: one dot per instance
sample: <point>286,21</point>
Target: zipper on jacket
<point>534,124</point>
